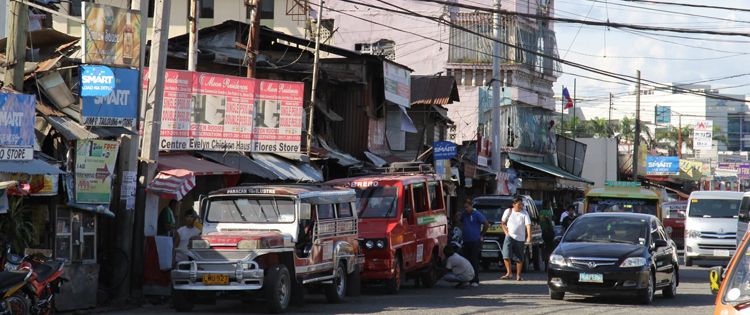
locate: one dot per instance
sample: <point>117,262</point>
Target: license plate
<point>490,254</point>
<point>721,253</point>
<point>215,279</point>
<point>591,277</point>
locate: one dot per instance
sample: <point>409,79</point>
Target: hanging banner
<point>397,82</point>
<point>111,35</point>
<point>693,170</point>
<point>212,112</point>
<point>444,150</point>
<point>703,135</point>
<point>17,114</point>
<point>95,164</point>
<point>662,165</point>
<point>742,170</point>
<point>119,107</point>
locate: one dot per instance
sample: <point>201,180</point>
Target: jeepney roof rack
<point>396,168</point>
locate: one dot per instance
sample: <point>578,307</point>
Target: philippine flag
<point>568,100</point>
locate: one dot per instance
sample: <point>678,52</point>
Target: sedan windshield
<point>377,202</point>
<point>737,290</point>
<point>608,230</point>
<point>714,208</point>
<point>250,210</point>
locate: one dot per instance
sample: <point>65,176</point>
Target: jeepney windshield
<point>635,205</point>
<point>494,212</point>
<point>250,209</point>
<point>737,290</point>
<point>377,202</point>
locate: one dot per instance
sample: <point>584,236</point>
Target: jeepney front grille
<point>228,255</point>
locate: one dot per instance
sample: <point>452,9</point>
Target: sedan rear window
<point>608,230</point>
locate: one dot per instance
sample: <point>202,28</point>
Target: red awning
<point>197,166</point>
<point>172,184</point>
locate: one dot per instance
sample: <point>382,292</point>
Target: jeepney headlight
<point>248,244</point>
<point>369,244</point>
<point>200,244</point>
<point>380,244</point>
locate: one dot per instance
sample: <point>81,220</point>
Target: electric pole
<point>497,159</point>
<point>18,25</point>
<point>316,66</point>
<point>609,118</point>
<point>193,37</point>
<point>253,37</point>
<point>679,136</point>
<point>146,219</point>
<point>575,123</point>
<point>637,135</point>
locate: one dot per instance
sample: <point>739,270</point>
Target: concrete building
<point>3,18</point>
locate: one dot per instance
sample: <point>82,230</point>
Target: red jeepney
<point>403,227</point>
<point>674,220</point>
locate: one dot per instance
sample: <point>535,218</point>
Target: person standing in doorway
<point>517,227</point>
<point>474,227</point>
<point>166,224</point>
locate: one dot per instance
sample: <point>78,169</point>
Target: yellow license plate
<point>215,279</point>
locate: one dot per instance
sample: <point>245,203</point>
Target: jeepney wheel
<point>182,301</point>
<point>354,283</point>
<point>393,285</point>
<point>430,276</point>
<point>336,292</point>
<point>278,287</point>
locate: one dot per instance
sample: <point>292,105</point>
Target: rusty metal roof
<point>433,90</point>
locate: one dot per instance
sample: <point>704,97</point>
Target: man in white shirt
<point>517,227</point>
<point>184,234</point>
<point>459,269</point>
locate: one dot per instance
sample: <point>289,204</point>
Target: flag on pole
<point>568,100</point>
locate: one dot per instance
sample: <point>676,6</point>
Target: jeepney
<point>623,197</point>
<point>273,241</point>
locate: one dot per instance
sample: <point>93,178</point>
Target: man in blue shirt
<point>474,227</point>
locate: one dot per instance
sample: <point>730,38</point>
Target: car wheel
<point>671,290</point>
<point>688,262</point>
<point>393,285</point>
<point>647,296</point>
<point>336,292</point>
<point>182,301</point>
<point>556,295</point>
<point>278,287</point>
<point>430,276</point>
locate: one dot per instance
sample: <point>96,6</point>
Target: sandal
<point>519,279</point>
<point>505,277</point>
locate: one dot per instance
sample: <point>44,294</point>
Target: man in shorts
<point>517,227</point>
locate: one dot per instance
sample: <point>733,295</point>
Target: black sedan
<point>614,254</point>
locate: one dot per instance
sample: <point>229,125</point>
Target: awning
<point>31,167</point>
<point>552,170</point>
<point>287,170</point>
<point>111,132</point>
<point>342,158</point>
<point>98,209</point>
<point>198,166</point>
<point>431,90</point>
<point>241,162</point>
<point>172,184</point>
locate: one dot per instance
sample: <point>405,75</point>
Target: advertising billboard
<point>703,135</point>
<point>397,82</point>
<point>111,35</point>
<point>95,165</point>
<point>119,107</point>
<point>662,165</point>
<point>17,114</point>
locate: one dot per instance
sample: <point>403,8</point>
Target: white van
<point>711,225</point>
<point>744,217</point>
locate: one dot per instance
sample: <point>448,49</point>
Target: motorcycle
<point>12,284</point>
<point>45,282</point>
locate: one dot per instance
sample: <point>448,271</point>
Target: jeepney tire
<point>336,292</point>
<point>537,260</point>
<point>393,285</point>
<point>277,285</point>
<point>354,283</point>
<point>430,276</point>
<point>182,301</point>
<point>298,294</point>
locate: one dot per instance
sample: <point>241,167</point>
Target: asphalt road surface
<point>494,296</point>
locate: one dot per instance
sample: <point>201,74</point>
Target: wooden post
<point>253,37</point>
<point>18,25</point>
<point>316,66</point>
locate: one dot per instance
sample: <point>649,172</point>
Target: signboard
<point>119,107</point>
<point>17,114</point>
<point>95,164</point>
<point>741,169</point>
<point>444,150</point>
<point>691,169</point>
<point>662,165</point>
<point>97,81</point>
<point>703,135</point>
<point>397,82</point>
<point>111,35</point>
<point>211,112</point>
<point>663,114</point>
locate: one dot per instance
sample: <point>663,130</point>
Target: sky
<point>625,51</point>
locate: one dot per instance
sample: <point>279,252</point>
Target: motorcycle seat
<point>10,279</point>
<point>46,270</point>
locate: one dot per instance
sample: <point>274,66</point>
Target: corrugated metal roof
<point>69,129</point>
<point>552,170</point>
<point>111,132</point>
<point>288,171</point>
<point>196,165</point>
<point>240,162</point>
<point>342,158</point>
<point>32,167</point>
<point>433,90</point>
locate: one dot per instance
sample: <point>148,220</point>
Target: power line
<point>691,5</point>
<point>673,12</point>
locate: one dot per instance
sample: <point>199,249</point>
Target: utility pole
<point>575,123</point>
<point>609,118</point>
<point>146,219</point>
<point>679,136</point>
<point>18,25</point>
<point>253,38</point>
<point>316,66</point>
<point>193,37</point>
<point>497,159</point>
<point>637,135</point>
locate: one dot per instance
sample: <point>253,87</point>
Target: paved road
<point>493,297</point>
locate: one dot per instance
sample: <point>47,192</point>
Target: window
<point>75,236</point>
<point>408,206</point>
<point>266,10</point>
<point>377,202</point>
<point>344,210</point>
<point>151,8</point>
<point>325,211</point>
<point>436,196</point>
<point>207,9</point>
<point>420,198</point>
<point>75,8</point>
<point>250,210</point>
<point>745,210</point>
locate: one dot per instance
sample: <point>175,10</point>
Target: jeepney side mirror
<point>305,211</point>
<point>715,277</point>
